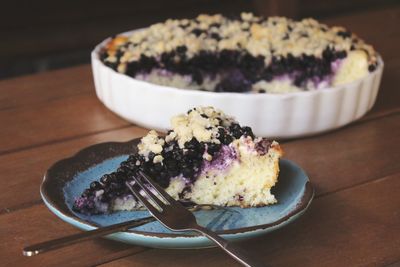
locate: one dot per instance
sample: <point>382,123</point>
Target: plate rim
<point>50,188</point>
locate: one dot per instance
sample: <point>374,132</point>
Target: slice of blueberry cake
<point>245,54</point>
<point>207,158</point>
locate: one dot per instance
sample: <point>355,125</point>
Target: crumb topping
<point>151,143</point>
<point>271,37</point>
<point>202,123</point>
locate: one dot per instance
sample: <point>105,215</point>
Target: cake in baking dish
<point>207,158</point>
<point>244,54</point>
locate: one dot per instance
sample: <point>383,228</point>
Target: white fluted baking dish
<point>270,115</point>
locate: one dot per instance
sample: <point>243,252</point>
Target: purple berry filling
<point>239,70</point>
<point>263,146</point>
<point>221,160</point>
<point>177,161</point>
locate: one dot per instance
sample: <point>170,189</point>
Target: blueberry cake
<point>207,158</point>
<point>244,54</point>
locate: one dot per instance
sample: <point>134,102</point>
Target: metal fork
<point>175,217</point>
<point>54,244</point>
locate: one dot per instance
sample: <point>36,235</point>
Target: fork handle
<point>232,249</point>
<point>82,236</point>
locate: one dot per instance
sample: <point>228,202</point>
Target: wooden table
<point>353,221</point>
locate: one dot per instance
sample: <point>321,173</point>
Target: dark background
<point>40,35</point>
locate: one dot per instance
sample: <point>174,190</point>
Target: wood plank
<point>57,120</point>
<point>349,156</point>
<point>342,229</point>
<point>24,170</point>
<point>36,224</point>
<point>45,87</point>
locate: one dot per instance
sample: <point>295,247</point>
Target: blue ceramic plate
<point>69,177</point>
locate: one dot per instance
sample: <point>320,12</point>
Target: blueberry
<point>87,193</point>
<point>341,54</point>
<point>177,155</point>
<point>236,130</point>
<point>105,198</point>
<point>192,144</point>
<point>227,139</point>
<point>147,63</point>
<point>234,81</point>
<point>173,172</point>
<point>120,177</point>
<point>151,156</point>
<point>188,172</point>
<point>327,54</point>
<point>197,32</point>
<point>217,25</point>
<point>213,148</point>
<point>105,179</point>
<point>300,80</point>
<point>263,146</point>
<point>181,49</point>
<point>109,193</point>
<point>158,167</point>
<point>215,36</point>
<point>197,77</point>
<point>164,183</point>
<point>129,165</point>
<point>95,185</point>
<point>116,186</point>
<point>247,131</point>
<point>132,68</point>
<point>372,67</point>
<point>132,158</point>
<point>193,154</point>
<point>344,34</point>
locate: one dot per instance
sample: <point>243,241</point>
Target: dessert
<point>245,54</point>
<point>207,158</point>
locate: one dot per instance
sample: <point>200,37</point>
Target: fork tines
<point>152,191</point>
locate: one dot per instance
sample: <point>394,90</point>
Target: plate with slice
<point>208,158</point>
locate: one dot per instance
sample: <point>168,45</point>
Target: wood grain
<point>26,169</point>
<point>349,156</point>
<point>355,227</point>
<point>36,224</point>
<point>57,120</point>
<point>45,87</point>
